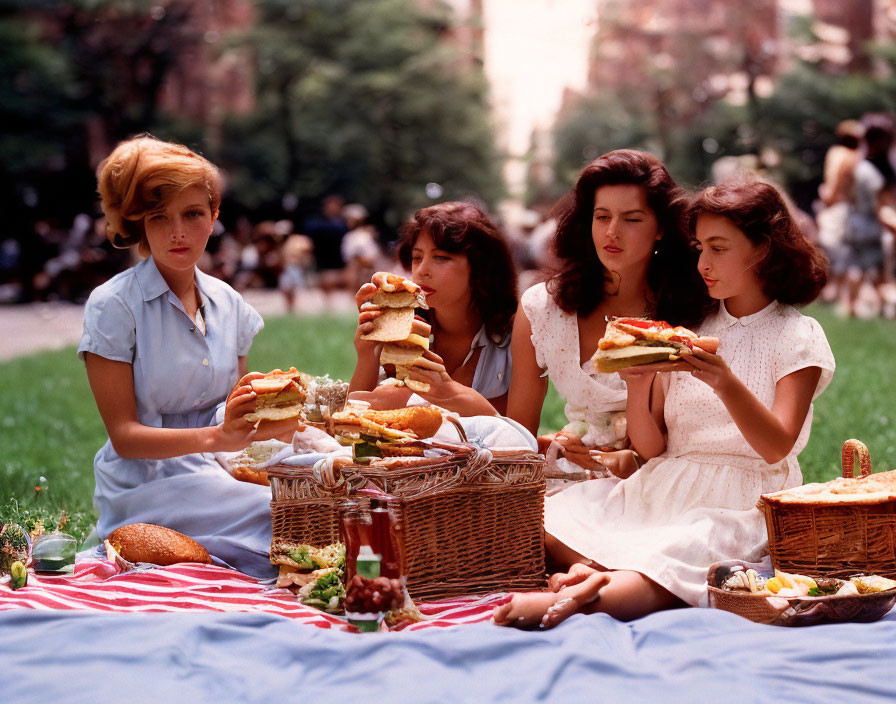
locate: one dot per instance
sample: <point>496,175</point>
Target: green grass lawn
<point>51,428</point>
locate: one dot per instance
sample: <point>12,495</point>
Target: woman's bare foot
<point>547,609</point>
<point>577,574</point>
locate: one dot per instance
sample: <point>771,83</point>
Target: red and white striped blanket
<point>101,585</point>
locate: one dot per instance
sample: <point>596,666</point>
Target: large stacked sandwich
<point>392,433</point>
<point>279,395</point>
<point>396,298</point>
<point>632,341</point>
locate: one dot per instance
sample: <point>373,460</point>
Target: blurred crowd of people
<point>338,248</point>
<point>856,217</point>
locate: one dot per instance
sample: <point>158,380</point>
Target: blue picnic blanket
<point>687,655</point>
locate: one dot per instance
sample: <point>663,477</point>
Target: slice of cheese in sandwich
<point>279,395</point>
<point>616,358</point>
<point>402,356</point>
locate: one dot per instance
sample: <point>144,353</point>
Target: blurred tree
<point>365,98</point>
<point>788,126</point>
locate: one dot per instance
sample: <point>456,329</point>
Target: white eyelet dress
<point>695,504</point>
<point>590,397</point>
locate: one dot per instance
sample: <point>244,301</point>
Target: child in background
<point>716,437</point>
<point>165,349</point>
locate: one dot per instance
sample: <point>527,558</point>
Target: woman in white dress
<point>718,436</point>
<point>623,252</point>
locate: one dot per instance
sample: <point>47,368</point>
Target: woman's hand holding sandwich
<point>445,391</point>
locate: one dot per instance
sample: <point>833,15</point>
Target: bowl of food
<point>788,599</point>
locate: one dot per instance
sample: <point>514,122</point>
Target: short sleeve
<point>250,324</point>
<point>803,344</point>
<point>534,304</point>
<point>110,330</point>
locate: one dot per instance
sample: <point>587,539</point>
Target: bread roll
<point>247,473</point>
<point>146,542</point>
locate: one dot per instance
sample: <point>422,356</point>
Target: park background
<point>396,104</point>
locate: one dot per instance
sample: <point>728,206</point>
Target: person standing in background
<point>836,193</point>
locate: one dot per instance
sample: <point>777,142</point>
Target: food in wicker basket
<point>797,600</point>
<point>396,298</point>
<point>839,528</point>
<point>279,395</point>
<point>391,433</point>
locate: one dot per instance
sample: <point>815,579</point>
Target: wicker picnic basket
<point>833,539</point>
<point>472,520</point>
<point>795,610</point>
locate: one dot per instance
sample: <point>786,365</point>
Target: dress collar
<point>729,320</point>
<point>153,284</point>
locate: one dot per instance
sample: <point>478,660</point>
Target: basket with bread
<point>838,528</point>
<point>472,519</point>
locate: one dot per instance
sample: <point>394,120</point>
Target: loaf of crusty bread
<point>146,542</point>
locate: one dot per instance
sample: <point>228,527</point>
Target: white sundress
<point>590,397</point>
<point>695,504</point>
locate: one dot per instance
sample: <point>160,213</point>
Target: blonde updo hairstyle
<point>143,175</point>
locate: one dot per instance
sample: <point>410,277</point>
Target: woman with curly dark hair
<point>462,262</point>
<point>623,252</point>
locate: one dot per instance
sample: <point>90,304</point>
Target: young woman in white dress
<point>623,252</point>
<point>716,436</point>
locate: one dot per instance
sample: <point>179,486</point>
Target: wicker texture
<point>834,539</point>
<point>472,521</point>
<point>796,610</point>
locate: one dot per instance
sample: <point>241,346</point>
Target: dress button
<point>205,362</point>
<point>500,376</point>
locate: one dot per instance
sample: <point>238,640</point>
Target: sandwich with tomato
<point>396,298</point>
<point>629,342</point>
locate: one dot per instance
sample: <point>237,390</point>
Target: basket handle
<point>851,449</point>
<point>458,427</point>
<point>329,475</point>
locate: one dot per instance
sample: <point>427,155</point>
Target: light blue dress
<point>181,378</point>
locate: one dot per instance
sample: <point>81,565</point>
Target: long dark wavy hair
<point>462,228</point>
<point>793,269</point>
<point>678,293</point>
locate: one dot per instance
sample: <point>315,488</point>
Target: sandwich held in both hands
<point>390,335</point>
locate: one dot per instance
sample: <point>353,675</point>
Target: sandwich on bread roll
<point>396,298</point>
<point>629,342</point>
<point>147,542</point>
<point>279,395</point>
<point>391,433</point>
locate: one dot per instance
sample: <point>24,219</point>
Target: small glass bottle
<point>384,539</point>
<point>350,535</point>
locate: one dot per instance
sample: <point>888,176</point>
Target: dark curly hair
<point>793,269</point>
<point>463,228</point>
<point>679,294</point>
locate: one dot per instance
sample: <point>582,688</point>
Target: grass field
<point>51,429</point>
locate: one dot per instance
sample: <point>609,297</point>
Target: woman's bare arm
<point>528,388</point>
<point>112,384</point>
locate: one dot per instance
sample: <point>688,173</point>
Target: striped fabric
<point>100,585</point>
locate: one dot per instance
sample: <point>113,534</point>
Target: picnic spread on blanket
<point>397,531</point>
